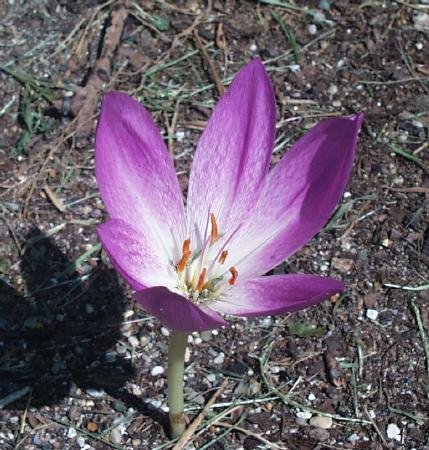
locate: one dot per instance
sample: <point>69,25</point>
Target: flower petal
<point>176,311</point>
<point>135,173</point>
<point>299,196</point>
<point>134,257</point>
<point>276,294</point>
<point>233,154</point>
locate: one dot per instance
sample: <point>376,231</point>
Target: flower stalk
<point>176,369</point>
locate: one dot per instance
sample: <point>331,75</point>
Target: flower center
<point>202,271</point>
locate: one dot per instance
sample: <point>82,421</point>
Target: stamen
<point>234,273</point>
<point>201,279</point>
<point>186,254</point>
<point>214,231</point>
<point>186,246</point>
<point>223,256</point>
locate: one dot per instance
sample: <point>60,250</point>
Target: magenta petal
<point>276,294</point>
<point>299,196</point>
<point>177,312</point>
<point>233,154</point>
<point>135,173</point>
<point>134,257</point>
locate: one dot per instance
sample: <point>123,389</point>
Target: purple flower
<point>241,219</point>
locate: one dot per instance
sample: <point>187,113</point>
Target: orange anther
<point>214,232</point>
<point>186,246</point>
<point>234,273</point>
<point>201,279</point>
<point>223,256</point>
<point>186,254</point>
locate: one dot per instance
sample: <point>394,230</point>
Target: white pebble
<point>180,135</point>
<point>419,46</point>
<point>96,393</point>
<point>393,432</point>
<point>312,29</point>
<point>372,314</point>
<point>353,438</point>
<point>275,369</point>
<point>164,331</point>
<point>220,358</point>
<point>304,415</point>
<point>253,48</point>
<point>71,433</point>
<point>157,370</point>
<point>294,68</point>
<point>80,441</point>
<point>134,342</point>
<point>311,397</point>
<point>211,377</point>
<point>333,89</point>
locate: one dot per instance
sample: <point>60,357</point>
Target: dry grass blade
<point>187,435</point>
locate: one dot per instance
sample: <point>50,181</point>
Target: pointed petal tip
<point>177,312</point>
<point>358,118</point>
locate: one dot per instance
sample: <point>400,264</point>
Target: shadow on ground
<point>58,334</point>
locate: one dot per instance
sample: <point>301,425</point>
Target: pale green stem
<point>176,369</point>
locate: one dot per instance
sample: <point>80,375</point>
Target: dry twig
<point>180,444</point>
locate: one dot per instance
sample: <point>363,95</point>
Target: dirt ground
<point>81,366</point>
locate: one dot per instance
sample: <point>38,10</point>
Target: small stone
<point>353,438</point>
<point>157,370</point>
<point>372,314</point>
<point>92,427</point>
<point>164,331</point>
<point>187,355</point>
<point>321,422</point>
<point>89,308</point>
<point>312,29</point>
<point>253,48</point>
<point>220,358</point>
<point>180,135</point>
<point>136,443</point>
<point>294,68</point>
<point>96,393</point>
<point>134,342</point>
<point>80,441</point>
<point>275,369</point>
<point>419,46</point>
<point>304,415</point>
<point>393,432</point>
<point>324,4</point>
<point>311,397</point>
<point>136,390</point>
<point>74,413</point>
<point>116,435</point>
<point>118,406</point>
<point>333,89</point>
<point>336,103</point>
<point>211,377</point>
<point>71,433</point>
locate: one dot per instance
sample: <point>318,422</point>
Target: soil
<point>82,367</point>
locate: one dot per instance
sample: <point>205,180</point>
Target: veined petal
<point>299,196</point>
<point>139,262</point>
<point>135,173</point>
<point>233,154</point>
<point>276,294</point>
<point>177,312</point>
